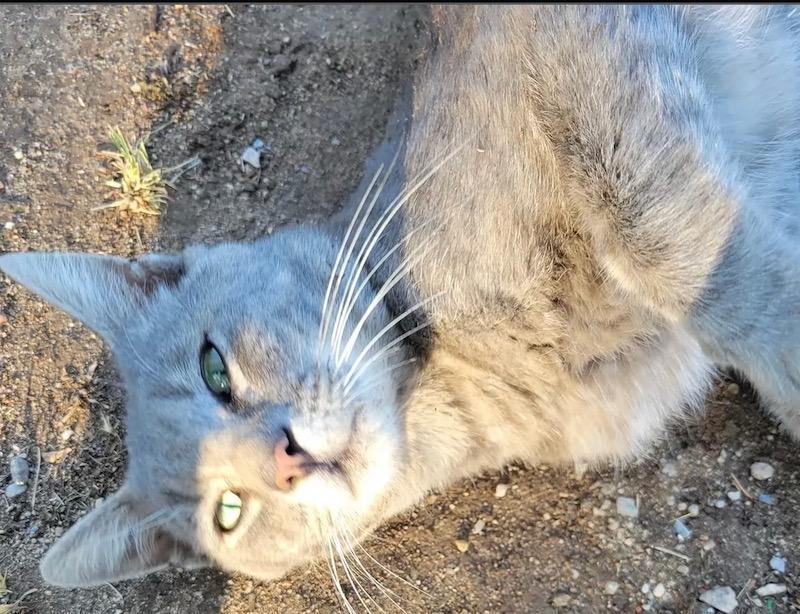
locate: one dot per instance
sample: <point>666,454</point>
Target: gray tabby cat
<point>594,208</point>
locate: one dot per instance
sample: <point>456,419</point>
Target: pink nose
<point>289,466</point>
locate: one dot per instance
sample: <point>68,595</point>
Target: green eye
<point>229,510</point>
<point>214,372</point>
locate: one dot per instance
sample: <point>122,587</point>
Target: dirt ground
<point>316,84</point>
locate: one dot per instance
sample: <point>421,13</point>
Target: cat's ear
<point>119,540</point>
<point>100,291</point>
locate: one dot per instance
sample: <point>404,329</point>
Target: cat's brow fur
<point>617,218</point>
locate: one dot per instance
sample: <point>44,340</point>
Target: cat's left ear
<point>100,291</point>
<point>118,540</point>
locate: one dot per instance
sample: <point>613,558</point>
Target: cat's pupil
<point>214,372</point>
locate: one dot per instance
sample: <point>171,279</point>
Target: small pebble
<point>20,470</point>
<point>646,588</point>
<point>18,155</point>
<point>659,591</point>
<point>462,545</point>
<point>734,495</point>
<point>627,507</point>
<point>722,598</point>
<point>732,389</point>
<point>767,499</point>
<point>709,545</point>
<point>33,530</point>
<point>683,570</point>
<point>771,589</point>
<point>611,588</point>
<point>682,531</point>
<point>682,506</point>
<point>777,563</point>
<point>669,469</point>
<point>15,490</point>
<point>720,503</point>
<point>762,471</point>
<point>479,527</point>
<point>561,600</point>
<point>694,510</point>
<point>9,225</point>
<point>66,435</point>
<point>501,491</point>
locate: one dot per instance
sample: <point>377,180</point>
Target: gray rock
<point>627,507</point>
<point>722,598</point>
<point>762,471</point>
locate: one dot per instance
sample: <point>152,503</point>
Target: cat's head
<point>259,426</point>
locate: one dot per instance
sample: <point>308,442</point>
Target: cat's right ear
<point>100,291</point>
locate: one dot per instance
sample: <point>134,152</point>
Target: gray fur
<point>618,217</point>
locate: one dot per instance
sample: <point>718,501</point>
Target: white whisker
<point>336,582</point>
<point>383,350</point>
<point>374,379</point>
<point>386,592</point>
<point>357,271</point>
<point>348,571</point>
<point>390,212</point>
<point>387,328</point>
<point>324,319</point>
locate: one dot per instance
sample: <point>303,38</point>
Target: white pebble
<point>659,591</point>
<point>762,471</point>
<point>722,598</point>
<point>778,563</point>
<point>694,510</point>
<point>627,507</point>
<point>720,503</point>
<point>9,225</point>
<point>66,435</point>
<point>646,588</point>
<point>501,491</point>
<point>479,527</point>
<point>611,588</point>
<point>771,589</point>
<point>670,470</point>
<point>734,495</point>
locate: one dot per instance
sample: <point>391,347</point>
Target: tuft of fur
<point>585,211</point>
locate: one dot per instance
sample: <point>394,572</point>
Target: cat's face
<point>259,432</point>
